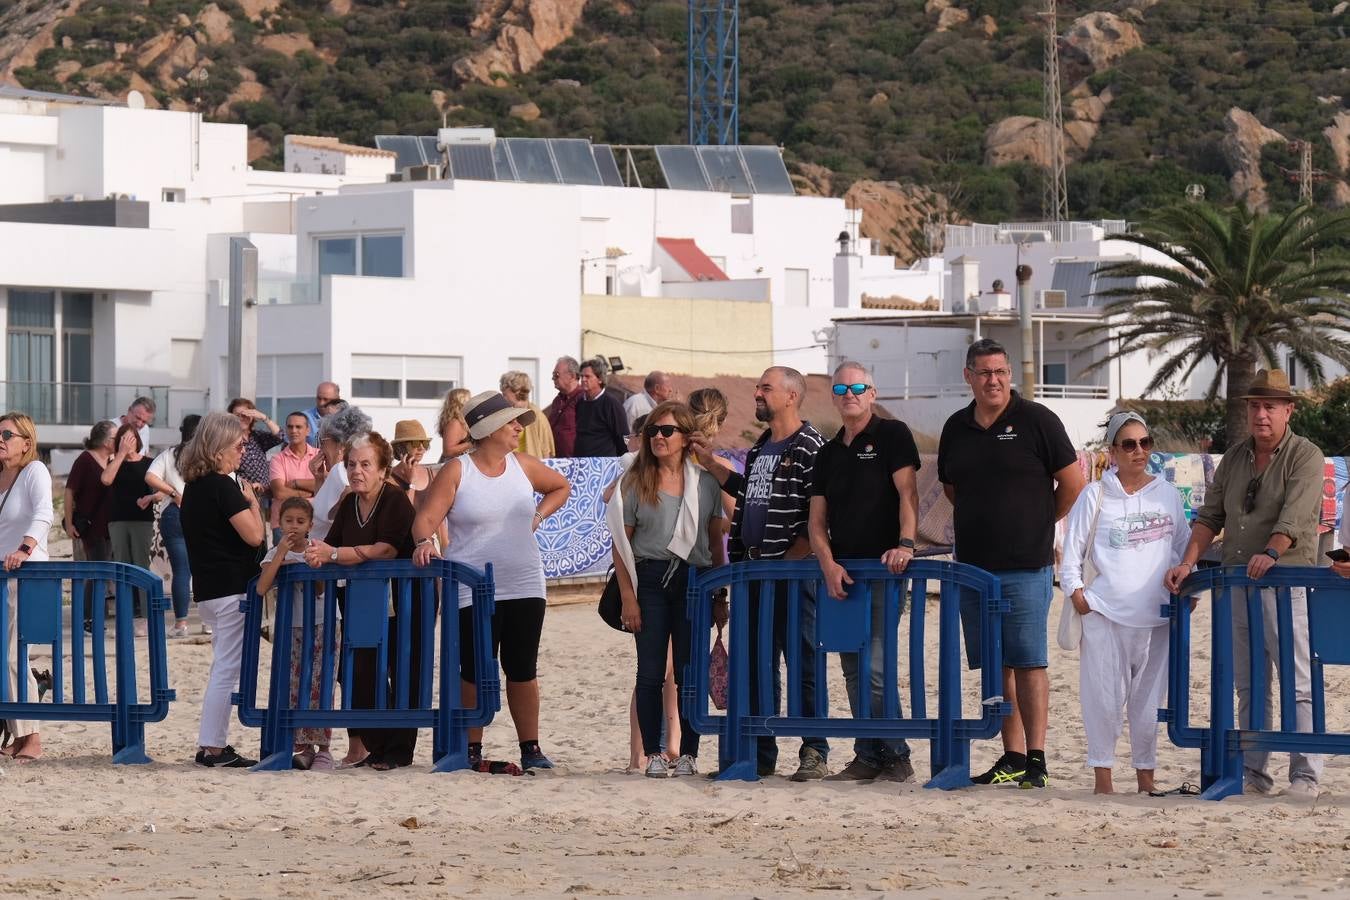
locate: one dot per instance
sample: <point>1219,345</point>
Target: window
<point>1054,373</point>
<point>378,255</point>
<point>1291,369</point>
<point>172,195</point>
<point>286,383</point>
<point>530,366</point>
<point>404,378</point>
<point>31,363</point>
<point>337,256</point>
<point>382,255</point>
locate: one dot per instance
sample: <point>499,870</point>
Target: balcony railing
<point>962,391</point>
<point>271,292</point>
<point>74,403</point>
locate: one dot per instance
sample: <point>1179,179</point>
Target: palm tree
<point>1239,288</point>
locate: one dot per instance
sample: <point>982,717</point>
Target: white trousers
<point>18,727</point>
<point>227,646</point>
<point>1122,669</point>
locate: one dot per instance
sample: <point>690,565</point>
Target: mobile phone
<point>1340,555</point>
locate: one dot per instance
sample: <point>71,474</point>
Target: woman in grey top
<point>672,515</point>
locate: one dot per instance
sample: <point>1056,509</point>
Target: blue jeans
<point>1025,627</point>
<point>875,752</point>
<point>661,590</point>
<point>767,756</point>
<point>171,530</point>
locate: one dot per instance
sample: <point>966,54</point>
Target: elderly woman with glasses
<point>223,528</point>
<point>1122,535</point>
<point>25,519</point>
<point>537,437</point>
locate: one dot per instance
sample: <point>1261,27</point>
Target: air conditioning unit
<point>1053,299</point>
<point>394,176</point>
<point>422,173</point>
<point>66,198</point>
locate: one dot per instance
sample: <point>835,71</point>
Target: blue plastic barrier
<point>845,626</point>
<point>1221,744</point>
<point>372,591</point>
<point>43,587</point>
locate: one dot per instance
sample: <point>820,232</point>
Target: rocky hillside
<point>863,94</point>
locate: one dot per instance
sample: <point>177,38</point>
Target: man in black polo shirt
<point>865,505</point>
<point>1010,471</point>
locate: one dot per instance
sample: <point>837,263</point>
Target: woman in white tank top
<point>486,499</point>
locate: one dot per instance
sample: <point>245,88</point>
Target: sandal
<point>1186,789</point>
<point>497,767</point>
<point>359,764</point>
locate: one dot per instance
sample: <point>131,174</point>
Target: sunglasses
<point>8,435</point>
<point>665,431</point>
<point>856,389</point>
<point>1249,502</point>
<point>325,403</point>
<point>1129,445</point>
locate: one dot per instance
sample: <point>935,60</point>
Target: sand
<point>81,826</point>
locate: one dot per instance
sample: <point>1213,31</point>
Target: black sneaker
<point>1006,771</point>
<point>1034,777</point>
<point>225,759</point>
<point>901,770</point>
<point>531,757</point>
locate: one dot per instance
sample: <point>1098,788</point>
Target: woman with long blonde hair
<point>672,521</point>
<point>450,425</point>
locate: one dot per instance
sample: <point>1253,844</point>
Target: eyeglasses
<point>8,435</point>
<point>323,402</point>
<point>856,389</point>
<point>1129,445</point>
<point>987,374</point>
<point>665,431</point>
<point>1249,502</point>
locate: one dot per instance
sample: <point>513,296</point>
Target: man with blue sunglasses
<point>865,506</point>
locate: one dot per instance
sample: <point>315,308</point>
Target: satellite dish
<point>135,100</point>
<point>1195,192</point>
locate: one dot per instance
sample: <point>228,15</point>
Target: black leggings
<point>516,628</point>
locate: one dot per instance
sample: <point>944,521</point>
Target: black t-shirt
<point>391,522</point>
<point>1004,481</point>
<point>222,563</point>
<point>129,485</point>
<point>601,426</point>
<point>858,484</point>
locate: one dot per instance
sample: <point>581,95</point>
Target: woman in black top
<point>223,528</point>
<point>131,507</point>
<point>374,521</point>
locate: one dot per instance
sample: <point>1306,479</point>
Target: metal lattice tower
<point>1305,171</point>
<point>1055,196</point>
<point>714,71</point>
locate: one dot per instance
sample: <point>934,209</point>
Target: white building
<point>114,278</point>
<point>106,214</point>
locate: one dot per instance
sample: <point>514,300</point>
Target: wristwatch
<point>332,557</point>
<point>907,543</point>
<point>1272,553</point>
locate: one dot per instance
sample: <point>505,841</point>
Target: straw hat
<point>408,430</point>
<point>1269,384</point>
<point>488,411</point>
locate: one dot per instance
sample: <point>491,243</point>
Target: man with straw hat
<point>1266,498</point>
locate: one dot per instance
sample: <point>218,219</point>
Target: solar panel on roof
<point>725,170</point>
<point>768,175</point>
<point>430,153</point>
<point>576,163</point>
<point>472,162</point>
<point>534,164</point>
<point>501,161</point>
<point>681,169</point>
<point>605,162</point>
<point>407,148</point>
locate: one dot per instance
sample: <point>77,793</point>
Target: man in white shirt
<point>141,414</point>
<point>656,389</point>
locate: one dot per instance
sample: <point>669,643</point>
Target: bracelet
<point>538,516</point>
<point>24,549</point>
<point>424,541</point>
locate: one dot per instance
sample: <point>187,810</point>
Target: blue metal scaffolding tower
<point>714,72</point>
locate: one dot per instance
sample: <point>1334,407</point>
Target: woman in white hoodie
<point>1130,527</point>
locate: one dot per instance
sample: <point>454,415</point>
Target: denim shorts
<point>1025,627</point>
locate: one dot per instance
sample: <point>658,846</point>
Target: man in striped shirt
<point>773,501</point>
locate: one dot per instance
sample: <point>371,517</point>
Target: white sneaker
<point>206,629</point>
<point>140,629</point>
<point>178,631</point>
<point>685,765</point>
<point>657,767</point>
<point>1301,789</point>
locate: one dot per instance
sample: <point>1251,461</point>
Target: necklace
<point>360,522</point>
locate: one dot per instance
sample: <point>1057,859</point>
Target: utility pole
<point>1055,195</point>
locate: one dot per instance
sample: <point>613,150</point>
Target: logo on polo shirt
<point>868,451</point>
<point>1008,434</point>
